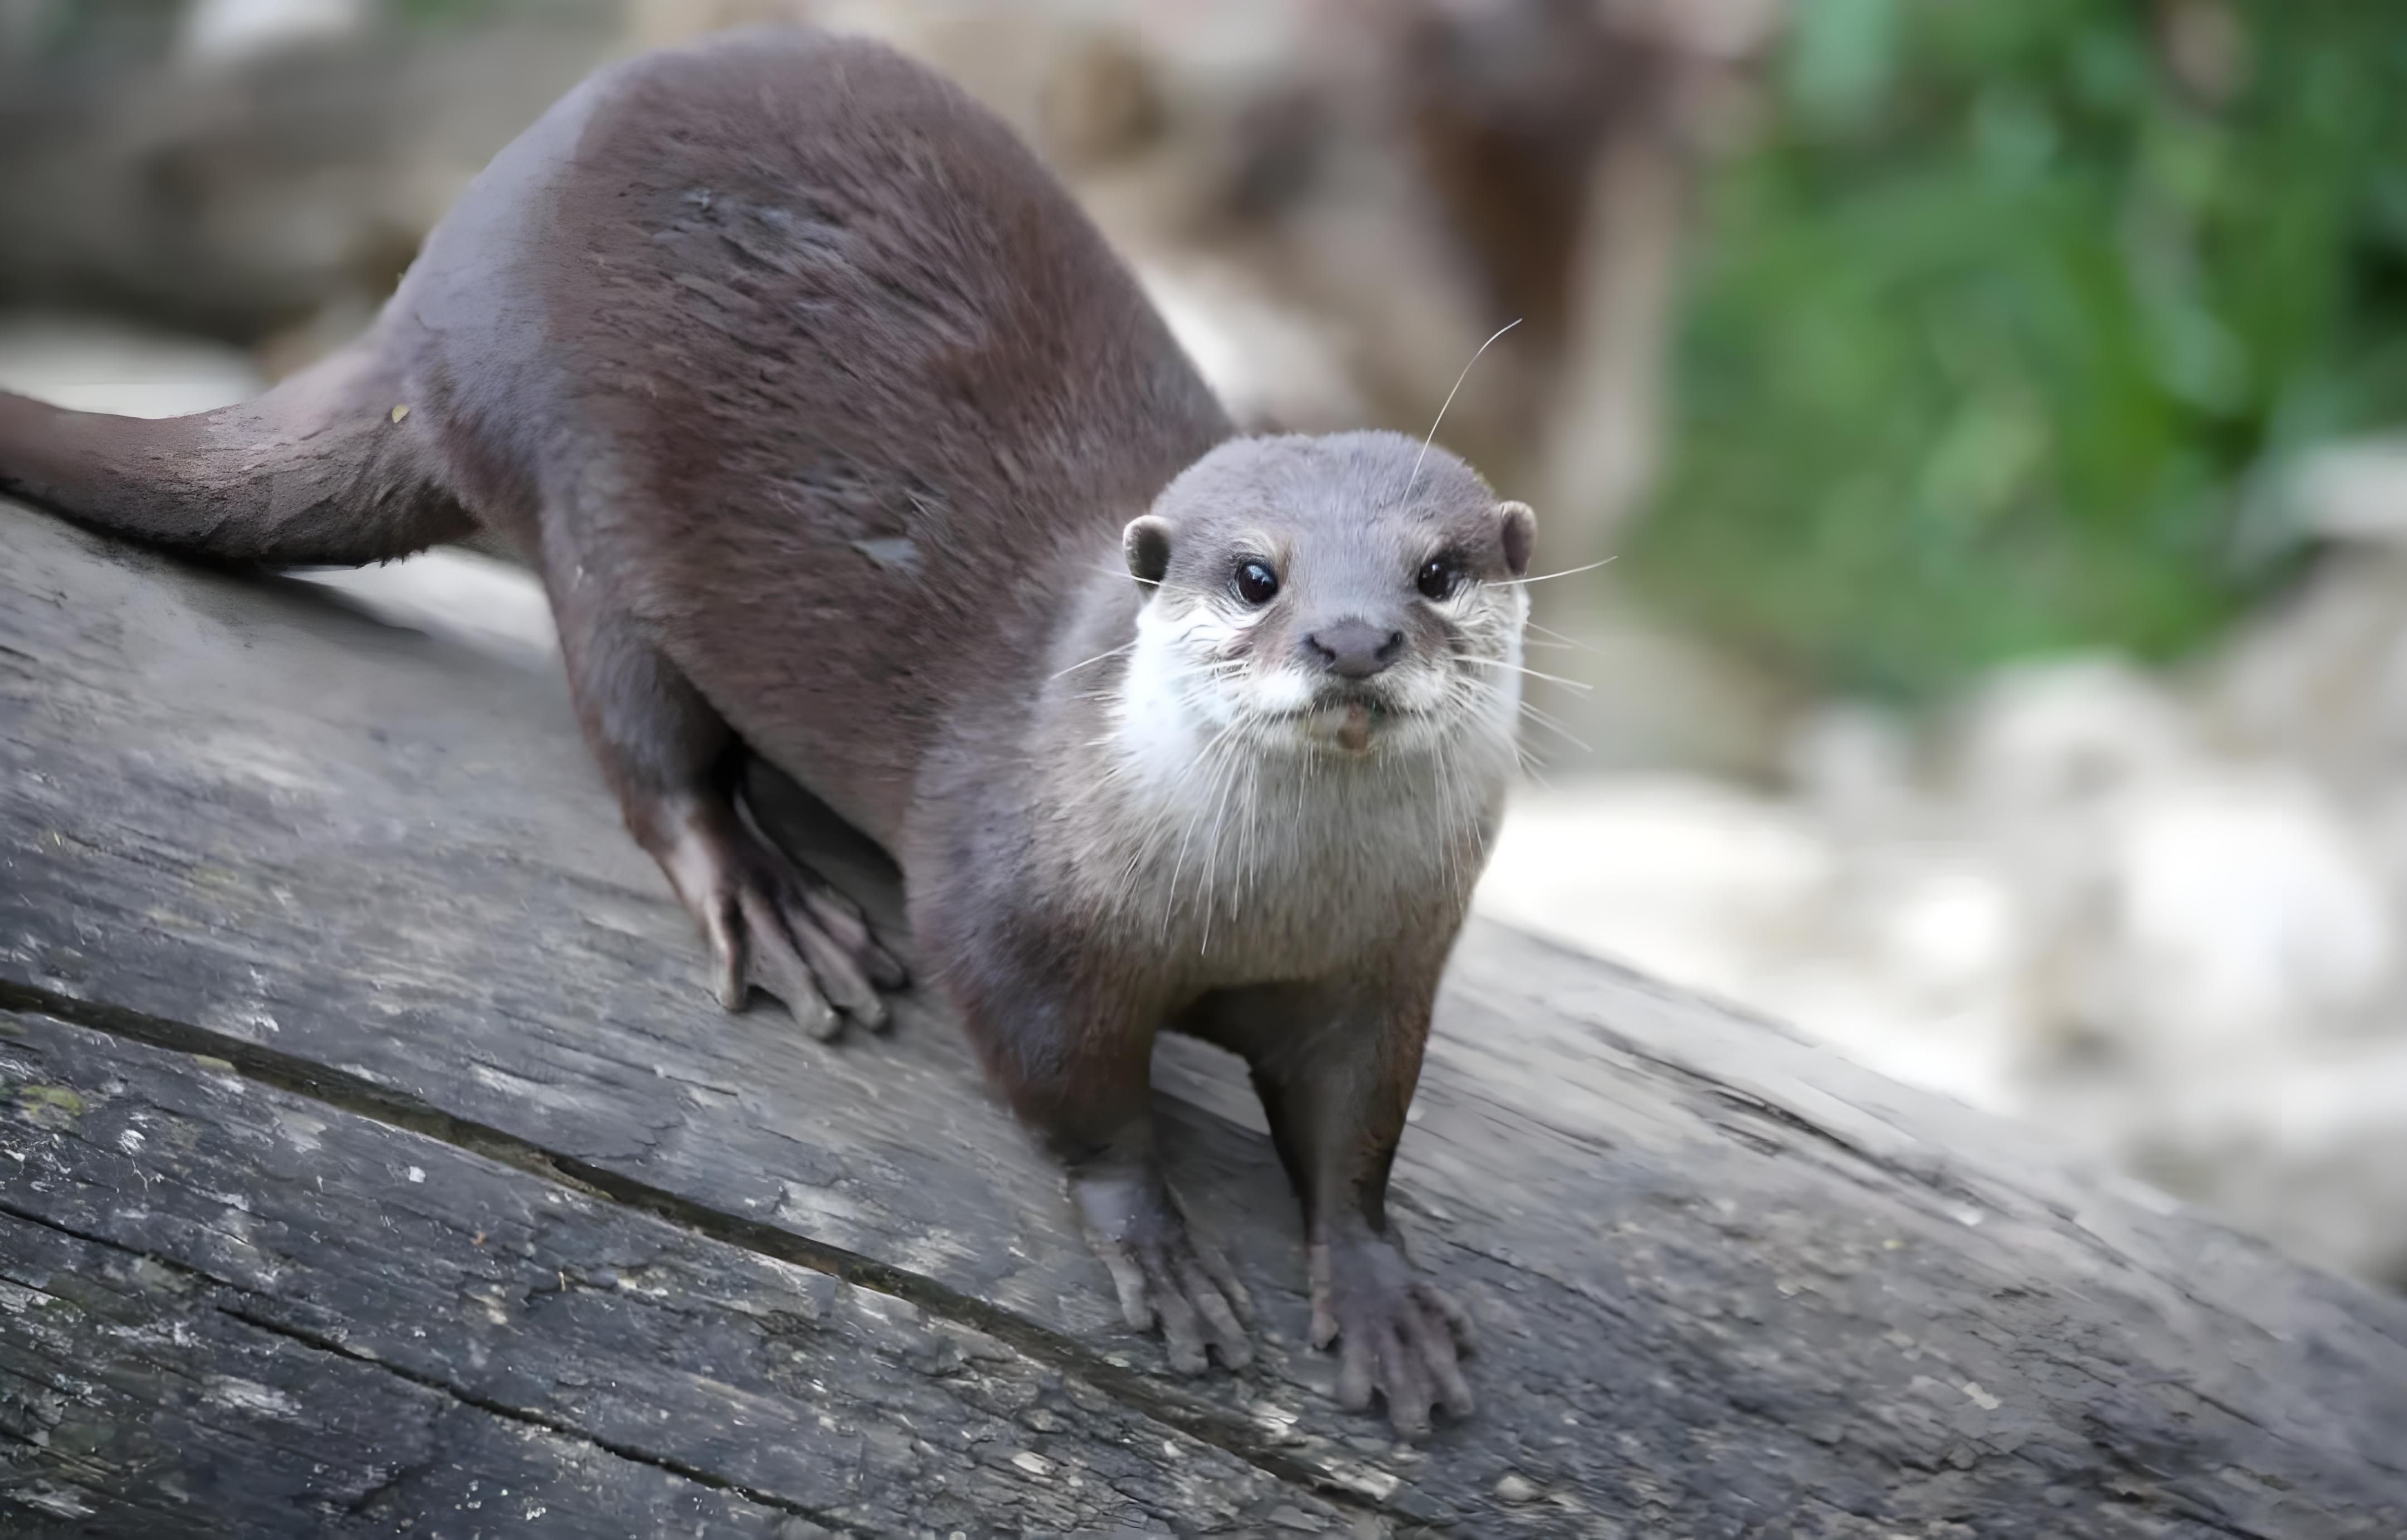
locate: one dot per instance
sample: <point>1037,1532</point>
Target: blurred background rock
<point>2001,671</point>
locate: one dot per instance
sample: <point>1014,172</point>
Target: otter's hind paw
<point>773,923</point>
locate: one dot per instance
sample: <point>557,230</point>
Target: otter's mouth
<point>1349,717</point>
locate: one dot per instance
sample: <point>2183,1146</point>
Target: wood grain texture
<point>1726,1283</point>
<point>755,1388</point>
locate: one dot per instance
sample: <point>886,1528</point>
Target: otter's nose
<point>1354,649</point>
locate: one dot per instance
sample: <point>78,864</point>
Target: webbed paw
<point>773,923</point>
<point>1163,1274</point>
<point>1396,1331</point>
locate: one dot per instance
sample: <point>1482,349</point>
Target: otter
<point>839,437</point>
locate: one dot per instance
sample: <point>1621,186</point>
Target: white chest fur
<point>1238,843</point>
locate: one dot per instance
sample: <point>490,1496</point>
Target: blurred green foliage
<point>2008,309</point>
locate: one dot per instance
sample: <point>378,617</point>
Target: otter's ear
<point>1518,526</point>
<point>1146,544</point>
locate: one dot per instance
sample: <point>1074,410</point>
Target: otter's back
<point>836,387</point>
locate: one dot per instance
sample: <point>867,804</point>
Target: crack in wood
<point>698,1474</point>
<point>319,1342</point>
<point>363,1098</point>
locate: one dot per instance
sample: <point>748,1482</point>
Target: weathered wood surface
<point>438,1305</point>
<point>443,1170</point>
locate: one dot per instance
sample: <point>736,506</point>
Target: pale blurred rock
<point>2322,676</point>
<point>1903,956</point>
<point>2174,946</point>
<point>2355,490</point>
<point>1911,965</point>
<point>100,365</point>
<point>2307,1146</point>
<point>2040,739</point>
<point>220,32</point>
<point>490,605</point>
<point>1855,765</point>
<point>1678,876</point>
<point>2248,911</point>
<point>1629,693</point>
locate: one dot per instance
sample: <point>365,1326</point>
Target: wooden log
<point>381,1302</point>
<point>262,857</point>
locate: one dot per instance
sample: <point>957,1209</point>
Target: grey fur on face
<point>1336,592</point>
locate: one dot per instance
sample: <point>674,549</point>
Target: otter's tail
<point>326,469</point>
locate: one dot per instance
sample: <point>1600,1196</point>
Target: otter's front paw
<point>1161,1272</point>
<point>1400,1334</point>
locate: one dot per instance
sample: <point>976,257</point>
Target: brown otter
<point>839,436</point>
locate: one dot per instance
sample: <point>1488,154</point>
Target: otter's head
<point>1352,595</point>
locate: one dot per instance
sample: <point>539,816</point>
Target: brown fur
<point>821,411</point>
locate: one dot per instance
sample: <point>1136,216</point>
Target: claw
<point>724,930</point>
<point>1397,1333</point>
<point>770,923</point>
<point>1162,1277</point>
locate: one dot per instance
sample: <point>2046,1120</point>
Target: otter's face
<point>1341,595</point>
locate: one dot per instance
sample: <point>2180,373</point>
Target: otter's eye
<point>1439,578</point>
<point>1257,584</point>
